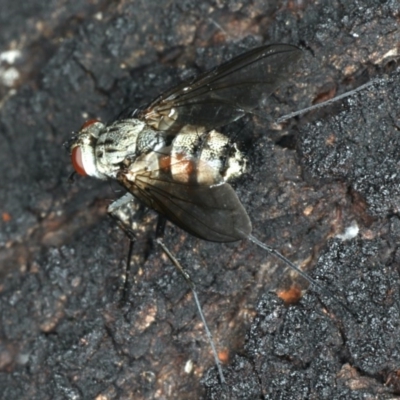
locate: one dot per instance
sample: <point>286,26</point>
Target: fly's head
<point>82,147</point>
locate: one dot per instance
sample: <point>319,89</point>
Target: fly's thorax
<point>118,142</point>
<point>218,159</point>
<point>150,140</point>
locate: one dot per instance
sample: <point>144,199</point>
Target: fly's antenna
<point>196,299</point>
<point>325,103</point>
<point>308,278</point>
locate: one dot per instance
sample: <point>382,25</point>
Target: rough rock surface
<point>323,189</point>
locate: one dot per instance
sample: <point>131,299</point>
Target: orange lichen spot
<point>325,95</point>
<point>308,210</point>
<point>223,356</point>
<point>6,217</point>
<point>331,139</point>
<point>290,296</point>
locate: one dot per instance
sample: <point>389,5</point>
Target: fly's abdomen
<point>216,158</point>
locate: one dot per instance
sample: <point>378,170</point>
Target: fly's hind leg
<point>188,279</point>
<point>131,217</point>
<point>161,222</point>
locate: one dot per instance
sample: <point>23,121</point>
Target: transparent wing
<point>206,206</point>
<point>225,93</point>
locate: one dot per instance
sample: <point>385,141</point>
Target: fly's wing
<point>225,93</point>
<point>203,205</point>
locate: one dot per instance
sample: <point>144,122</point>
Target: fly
<point>170,157</point>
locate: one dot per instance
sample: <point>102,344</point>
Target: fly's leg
<point>130,215</point>
<point>185,274</point>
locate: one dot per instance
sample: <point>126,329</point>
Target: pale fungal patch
<point>10,56</point>
<point>308,210</point>
<point>350,232</point>
<point>392,53</point>
<point>188,366</point>
<point>8,76</point>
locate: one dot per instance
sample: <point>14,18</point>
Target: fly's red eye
<point>89,122</point>
<point>77,161</point>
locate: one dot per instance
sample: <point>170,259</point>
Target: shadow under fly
<point>170,157</point>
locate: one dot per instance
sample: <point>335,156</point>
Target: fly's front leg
<point>131,217</point>
<point>128,213</point>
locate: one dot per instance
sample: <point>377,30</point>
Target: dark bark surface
<point>64,333</point>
